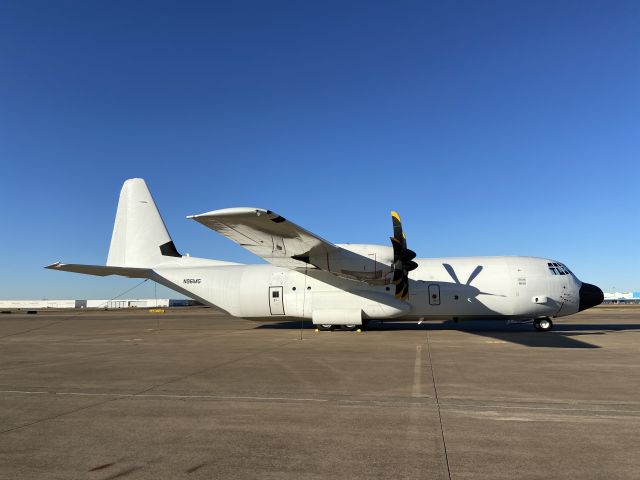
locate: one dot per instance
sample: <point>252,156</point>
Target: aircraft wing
<point>270,236</point>
<point>285,244</point>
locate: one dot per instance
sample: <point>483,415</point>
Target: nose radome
<point>590,296</point>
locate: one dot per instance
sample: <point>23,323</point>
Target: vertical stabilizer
<point>140,237</point>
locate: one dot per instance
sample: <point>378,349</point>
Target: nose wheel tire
<point>543,324</point>
<point>325,328</point>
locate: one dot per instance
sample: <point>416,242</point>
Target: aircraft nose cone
<point>590,296</point>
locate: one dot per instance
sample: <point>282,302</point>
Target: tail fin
<point>140,237</point>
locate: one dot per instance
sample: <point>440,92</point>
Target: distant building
<point>622,297</point>
<point>127,303</point>
<point>104,304</point>
<point>36,304</point>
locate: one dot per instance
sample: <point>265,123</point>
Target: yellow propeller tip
<point>395,215</point>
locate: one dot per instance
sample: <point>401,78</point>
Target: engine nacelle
<point>372,263</point>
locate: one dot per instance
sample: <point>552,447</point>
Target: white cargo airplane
<point>333,284</point>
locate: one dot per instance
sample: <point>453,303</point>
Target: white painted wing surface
<point>268,235</point>
<point>285,244</point>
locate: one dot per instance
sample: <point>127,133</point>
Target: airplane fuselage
<point>504,287</point>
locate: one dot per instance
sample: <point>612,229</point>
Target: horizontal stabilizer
<point>101,270</point>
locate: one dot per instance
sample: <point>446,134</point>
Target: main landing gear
<point>328,328</point>
<point>349,327</point>
<point>543,324</point>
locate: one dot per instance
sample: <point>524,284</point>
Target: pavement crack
<point>142,392</point>
<point>59,415</point>
<point>214,367</point>
<point>32,329</point>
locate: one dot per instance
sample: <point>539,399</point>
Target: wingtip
<point>53,265</point>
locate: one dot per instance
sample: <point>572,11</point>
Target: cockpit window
<point>558,268</point>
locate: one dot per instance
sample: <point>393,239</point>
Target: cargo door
<point>276,303</point>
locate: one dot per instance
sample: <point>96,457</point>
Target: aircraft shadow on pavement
<point>562,335</point>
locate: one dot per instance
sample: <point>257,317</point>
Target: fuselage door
<point>276,302</point>
<point>434,294</point>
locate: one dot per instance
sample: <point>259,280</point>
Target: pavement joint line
<point>174,395</point>
<point>520,407</point>
<point>435,391</point>
<point>117,336</point>
<point>306,399</point>
<point>216,397</point>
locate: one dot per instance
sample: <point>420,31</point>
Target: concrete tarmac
<point>193,393</point>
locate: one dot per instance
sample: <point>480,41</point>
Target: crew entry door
<point>434,294</point>
<point>276,303</point>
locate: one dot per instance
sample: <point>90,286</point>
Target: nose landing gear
<point>543,324</point>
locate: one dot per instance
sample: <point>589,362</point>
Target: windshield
<point>557,268</point>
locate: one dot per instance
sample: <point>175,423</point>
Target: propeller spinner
<point>402,259</point>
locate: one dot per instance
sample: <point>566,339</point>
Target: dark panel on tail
<point>169,250</point>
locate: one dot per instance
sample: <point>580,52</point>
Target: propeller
<point>402,259</point>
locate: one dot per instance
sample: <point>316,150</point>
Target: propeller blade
<point>397,225</point>
<point>410,265</point>
<point>407,255</point>
<point>401,253</point>
<point>398,275</point>
<point>402,289</point>
<point>397,247</point>
<point>398,234</point>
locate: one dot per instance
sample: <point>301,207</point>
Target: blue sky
<point>493,127</point>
